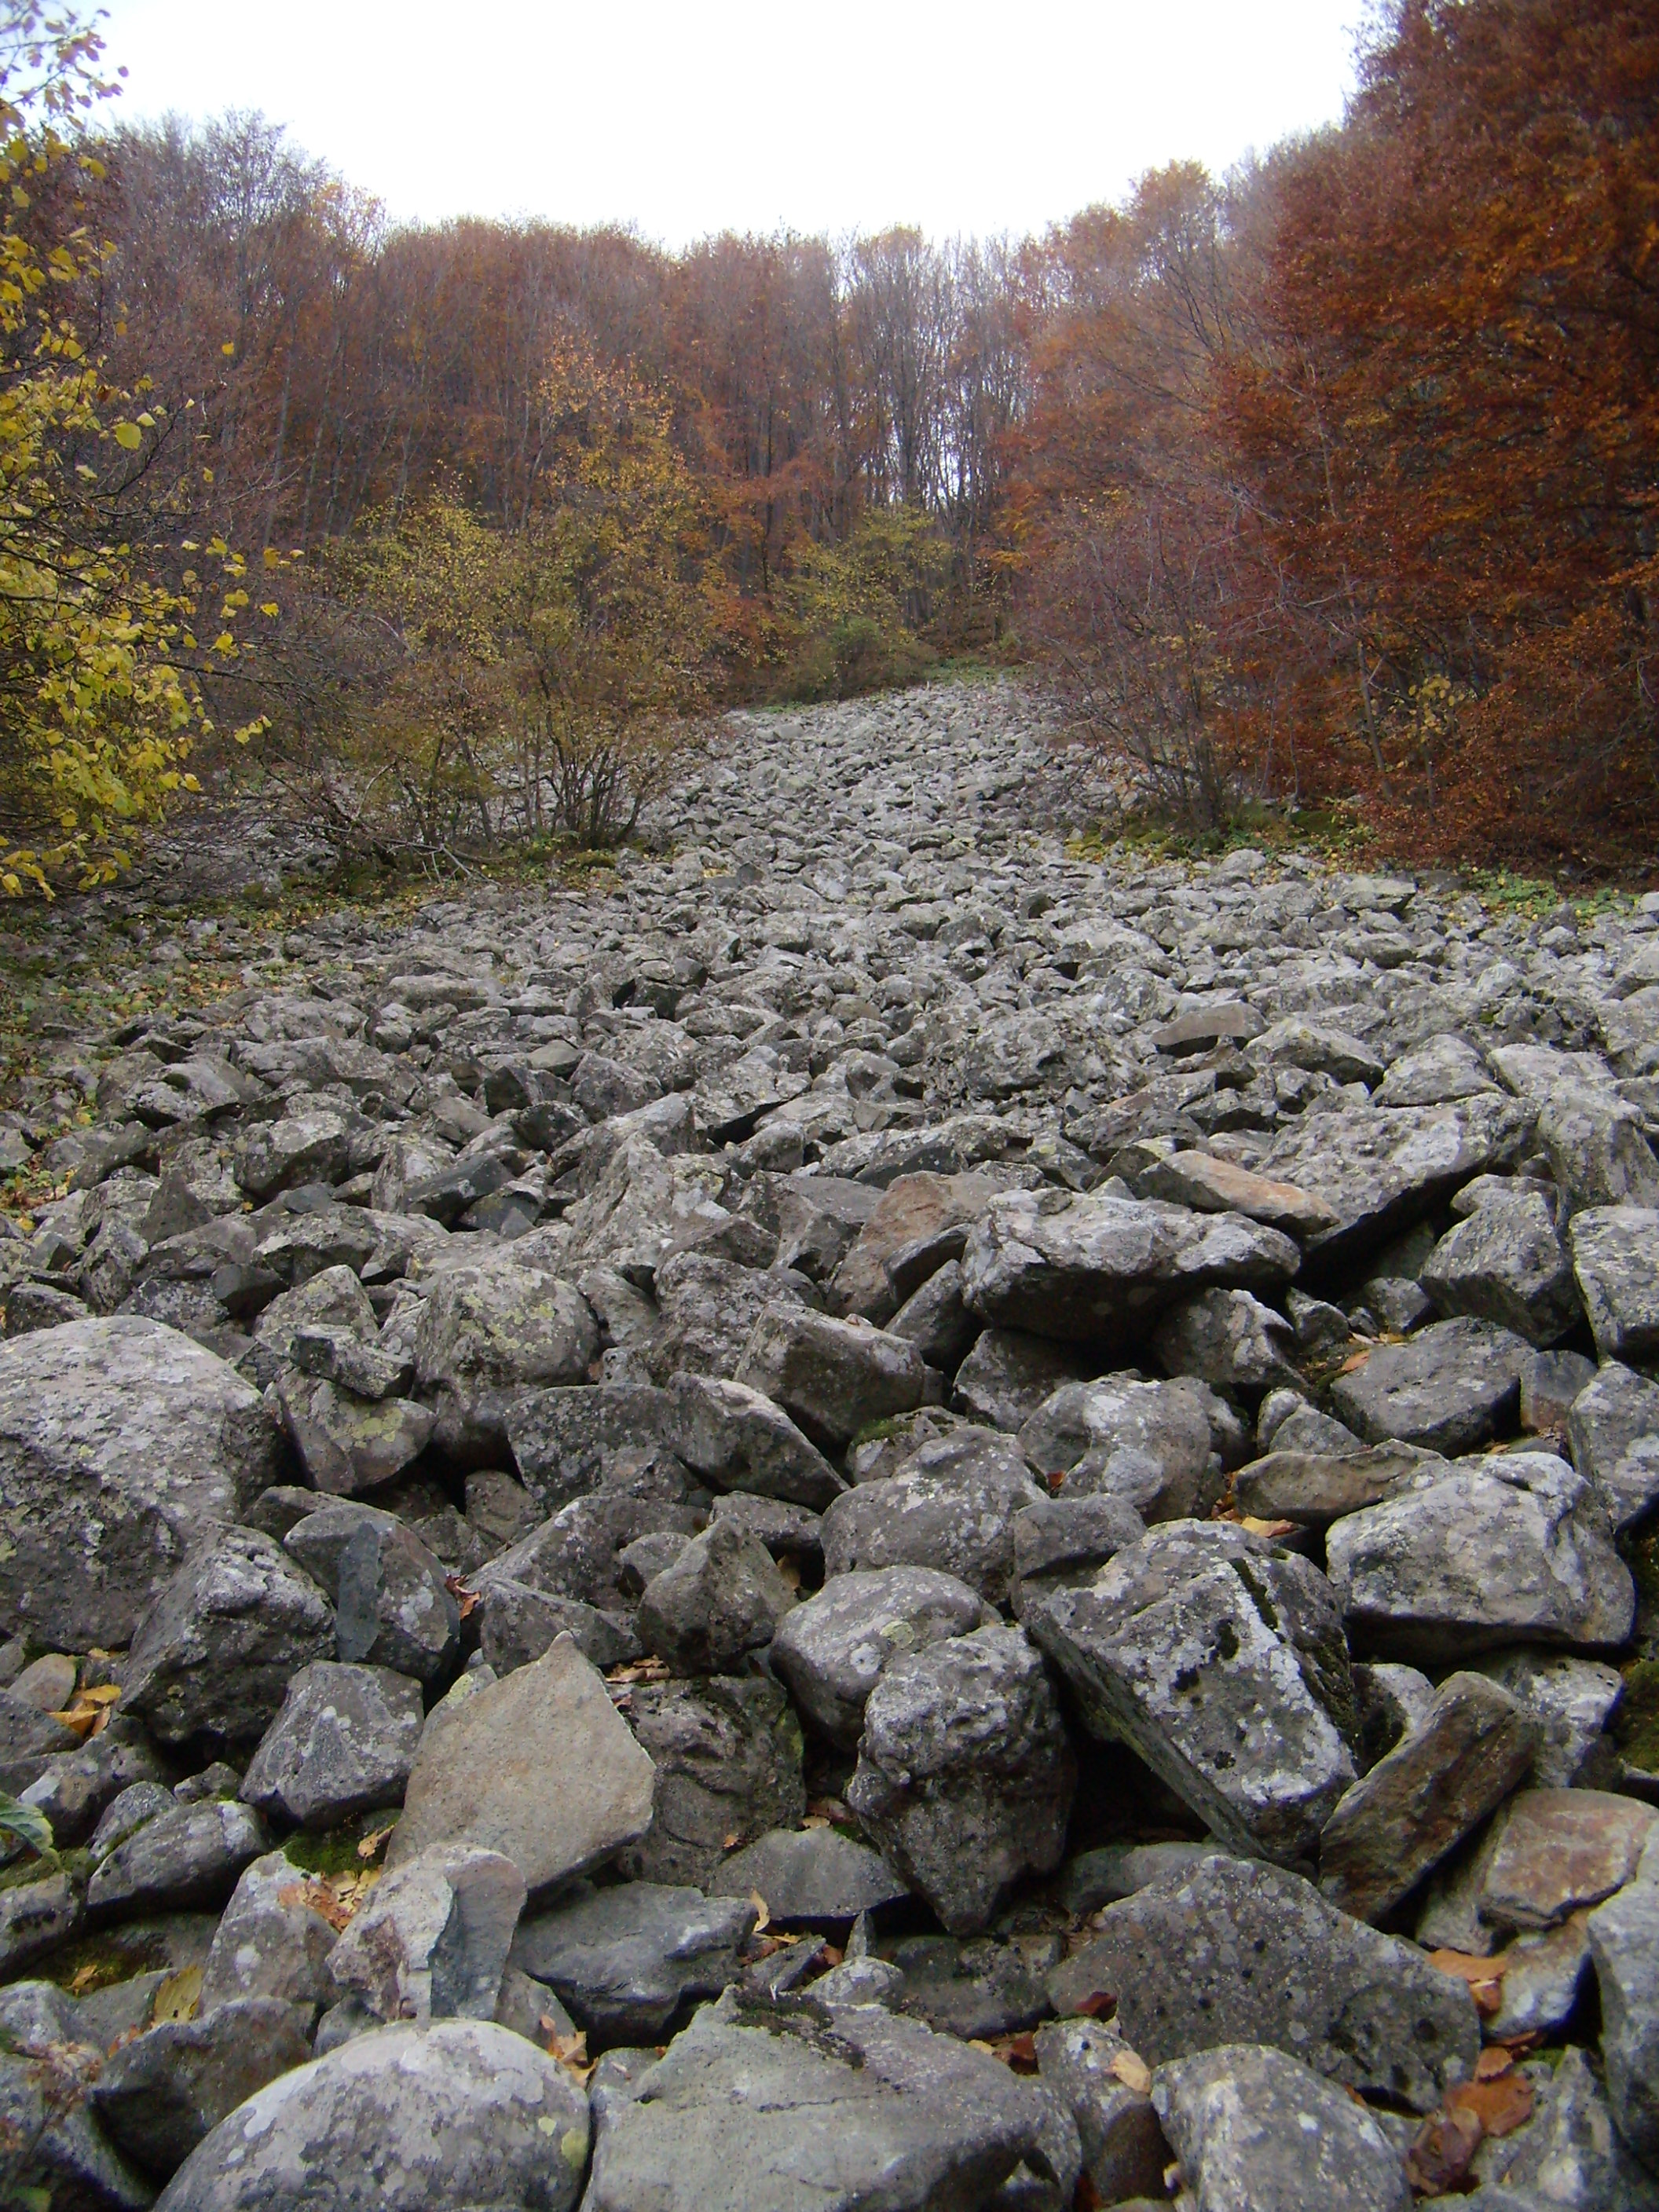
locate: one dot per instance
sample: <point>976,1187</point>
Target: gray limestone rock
<point>720,1598</point>
<point>52,2151</point>
<point>832,1650</point>
<point>1572,1699</point>
<point>832,1377</point>
<point>517,1624</point>
<point>812,1877</point>
<point>431,1942</point>
<point>401,2120</point>
<point>1507,1264</point>
<point>1251,2127</point>
<point>213,1655</point>
<point>273,1939</point>
<point>1614,1429</point>
<point>1062,1544</point>
<point>491,1328</point>
<point>1613,1258</point>
<point>1010,1373</point>
<point>1570,2156</point>
<point>1154,1445</point>
<point>1227,1339</point>
<point>539,1766</point>
<point>1448,1389</point>
<point>562,1439</point>
<point>625,1960</point>
<point>120,1441</point>
<point>964,1777</point>
<point>1468,1558</point>
<point>1124,2150</point>
<point>952,1505</point>
<point>190,1856</point>
<point>1221,1662</point>
<point>346,1443</point>
<point>1623,1938</point>
<point>727,1758</point>
<point>393,1607</point>
<point>343,1743</point>
<point>1233,1952</point>
<point>157,2096</point>
<point>738,1439</point>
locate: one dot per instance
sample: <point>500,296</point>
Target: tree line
<point>1330,483</point>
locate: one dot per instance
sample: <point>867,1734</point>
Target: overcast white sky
<point>702,115</point>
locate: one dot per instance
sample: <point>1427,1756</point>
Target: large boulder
<point>1465,1557</point>
<point>392,1604</point>
<point>491,1328</point>
<point>1100,1267</point>
<point>1156,1446</point>
<point>1507,1264</point>
<point>157,2096</point>
<point>343,1743</point>
<point>431,1940</point>
<point>737,1439</point>
<point>120,1441</point>
<point>626,1960</point>
<point>213,1654</point>
<point>721,1599</point>
<point>402,2119</point>
<point>1221,1661</point>
<point>726,1752</point>
<point>1613,1249</point>
<point>832,1377</point>
<point>965,1776</point>
<point>1613,1425</point>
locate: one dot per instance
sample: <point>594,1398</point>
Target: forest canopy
<point>1331,482</point>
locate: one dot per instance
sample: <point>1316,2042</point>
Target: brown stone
<point>1558,1849</point>
<point>1210,1185</point>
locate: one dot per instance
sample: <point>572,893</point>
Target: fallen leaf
<point>762,1918</point>
<point>466,1600</point>
<point>1500,2104</point>
<point>375,1842</point>
<point>570,2051</point>
<point>1269,1528</point>
<point>1484,1976</point>
<point>1018,2051</point>
<point>1440,2156</point>
<point>1131,2069</point>
<point>1492,2062</point>
<point>1101,2005</point>
<point>178,1996</point>
<point>82,1981</point>
<point>789,1571</point>
<point>1355,1359</point>
<point>833,1954</point>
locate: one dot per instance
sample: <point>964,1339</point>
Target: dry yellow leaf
<point>1131,2069</point>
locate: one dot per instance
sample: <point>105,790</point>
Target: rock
<point>819,1216</point>
<point>1612,1258</point>
<point>1571,1700</point>
<point>47,1683</point>
<point>405,2119</point>
<point>788,1532</point>
<point>1468,1557</point>
<point>727,1756</point>
<point>1153,1445</point>
<point>1544,1977</point>
<point>1210,1185</point>
<point>350,1444</point>
<point>1101,1877</point>
<point>213,1655</point>
<point>431,1940</point>
<point>952,1505</point>
<point>74,1788</point>
<point>1228,1339</point>
<point>832,1377</point>
<point>1507,1264</point>
<point>37,1918</point>
<point>1447,1390</point>
<point>159,2095</point>
<point>1221,1662</point>
<point>707,1308</point>
<point>1434,1073</point>
<point>816,1877</point>
<point>1381,1169</point>
<point>1553,1852</point>
<point>1062,1543</point>
<point>540,1767</point>
<point>721,1599</point>
<point>273,1941</point>
<point>1315,1488</point>
<point>625,1960</point>
<point>977,1989</point>
<point>52,2151</point>
<point>301,1148</point>
<point>489,1329</point>
<point>832,1648</point>
<point>120,1441</point>
<point>918,1223</point>
<point>760,2110</point>
<point>342,1744</point>
<point>1124,2149</point>
<point>1251,2127</point>
<point>964,1777</point>
<point>28,1740</point>
<point>1009,1374</point>
<point>739,1440</point>
<point>129,1813</point>
<point>189,1856</point>
<point>1474,1745</point>
<point>1569,2153</point>
<point>1614,1429</point>
<point>1235,1952</point>
<point>562,1439</point>
<point>393,1607</point>
<point>1099,1266</point>
<point>935,1320</point>
<point>1624,1939</point>
<point>517,1625</point>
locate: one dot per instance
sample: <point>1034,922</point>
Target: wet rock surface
<point>1082,1431</point>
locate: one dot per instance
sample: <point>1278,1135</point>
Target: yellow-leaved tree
<point>102,667</point>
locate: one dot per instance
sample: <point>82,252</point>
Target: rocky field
<point>865,1517</point>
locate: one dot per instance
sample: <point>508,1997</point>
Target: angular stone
<point>36,1919</point>
<point>1554,1851</point>
<point>214,1654</point>
<point>833,1647</point>
<point>189,1856</point>
<point>1009,1374</point>
<point>761,2111</point>
<point>952,1505</point>
<point>707,1308</point>
<point>1211,1185</point>
<point>1544,1977</point>
<point>29,1739</point>
<point>964,1777</point>
<point>1570,2157</point>
<point>1572,1699</point>
<point>422,2120</point>
<point>342,1744</point>
<point>1447,1390</point>
<point>393,1607</point>
<point>727,1756</point>
<point>1062,1544</point>
<point>1613,1258</point>
<point>1227,1339</point>
<point>1235,1952</point>
<point>1624,1939</point>
<point>430,1942</point>
<point>159,2095</point>
<point>491,1328</point>
<point>721,1599</point>
<point>1152,1444</point>
<point>1471,1557</point>
<point>540,1767</point>
<point>120,1441</point>
<point>918,1223</point>
<point>53,2152</point>
<point>815,1877</point>
<point>1221,1662</point>
<point>351,1444</point>
<point>273,1939</point>
<point>832,1377</point>
<point>1099,1266</point>
<point>1319,1046</point>
<point>625,1960</point>
<point>517,1625</point>
<point>1433,1073</point>
<point>562,1439</point>
<point>1251,2127</point>
<point>1124,2150</point>
<point>935,1320</point>
<point>75,1787</point>
<point>1472,1748</point>
<point>1507,1264</point>
<point>818,1218</point>
<point>1316,1488</point>
<point>739,1440</point>
<point>1614,1429</point>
